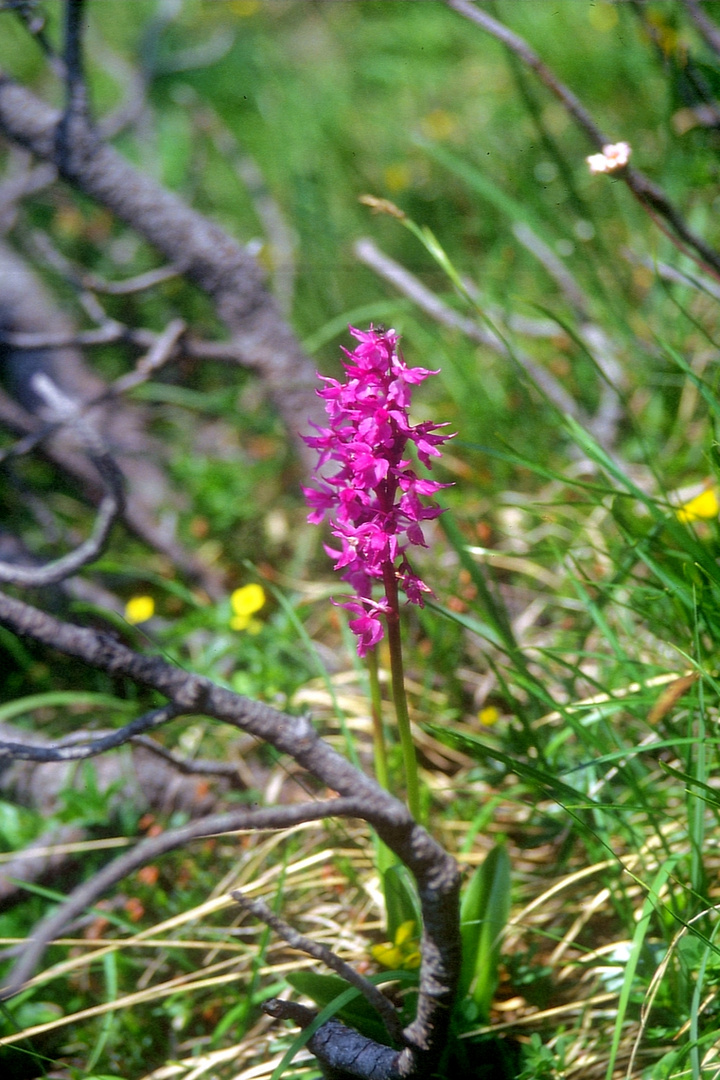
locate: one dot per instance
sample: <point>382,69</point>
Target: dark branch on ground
<point>321,952</point>
<point>436,873</point>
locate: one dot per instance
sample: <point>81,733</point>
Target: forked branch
<point>201,250</point>
<point>435,872</point>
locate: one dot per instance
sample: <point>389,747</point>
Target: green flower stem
<point>379,747</point>
<point>392,619</point>
<point>384,857</point>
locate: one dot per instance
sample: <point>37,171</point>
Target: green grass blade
<point>652,902</point>
<point>484,912</point>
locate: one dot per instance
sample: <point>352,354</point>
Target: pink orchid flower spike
<point>375,501</point>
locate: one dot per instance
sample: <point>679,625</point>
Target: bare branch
<point>64,567</point>
<point>368,252</point>
<point>435,871</point>
<point>188,766</point>
<point>520,47</point>
<point>34,20</point>
<point>26,180</point>
<point>555,267</point>
<point>671,273</point>
<point>106,334</point>
<point>609,413</point>
<point>148,779</point>
<point>25,305</point>
<point>131,285</point>
<point>164,347</point>
<point>48,253</point>
<point>112,330</point>
<point>326,956</point>
<point>209,257</point>
<point>275,817</point>
<point>344,1053</point>
<point>162,350</point>
<point>135,515</point>
<point>649,194</point>
<point>77,113</point>
<point>130,110</point>
<point>68,750</point>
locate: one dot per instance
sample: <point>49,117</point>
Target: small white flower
<point>614,156</point>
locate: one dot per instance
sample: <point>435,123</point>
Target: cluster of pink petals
<point>374,500</point>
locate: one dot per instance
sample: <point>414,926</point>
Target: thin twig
<point>77,113</point>
<point>671,273</point>
<point>47,251</point>
<point>272,817</point>
<point>709,30</point>
<point>110,508</point>
<point>649,194</point>
<point>34,22</point>
<point>111,331</point>
<point>326,956</point>
<point>135,515</point>
<point>520,47</point>
<point>367,251</point>
<point>28,179</point>
<point>131,285</point>
<point>188,766</point>
<point>555,267</point>
<point>164,348</point>
<point>80,745</point>
<point>609,413</point>
<point>132,107</point>
<point>68,750</point>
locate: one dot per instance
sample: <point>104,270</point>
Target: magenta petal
<point>374,500</point>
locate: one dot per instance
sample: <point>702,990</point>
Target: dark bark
<point>344,1053</point>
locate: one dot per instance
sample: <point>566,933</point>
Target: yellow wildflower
<point>245,602</point>
<point>139,609</point>
<point>398,176</point>
<point>489,715</point>
<point>703,506</point>
<point>404,953</point>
